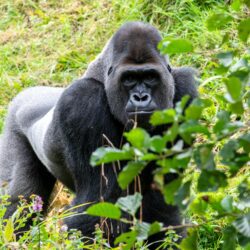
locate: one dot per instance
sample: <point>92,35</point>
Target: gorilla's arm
<point>81,118</point>
<point>185,84</point>
<point>184,78</point>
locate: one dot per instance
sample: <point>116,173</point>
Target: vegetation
<point>51,43</point>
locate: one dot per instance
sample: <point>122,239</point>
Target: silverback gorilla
<point>50,133</point>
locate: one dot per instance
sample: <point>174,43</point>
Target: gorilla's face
<point>138,81</point>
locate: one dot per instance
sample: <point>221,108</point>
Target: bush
<point>207,152</point>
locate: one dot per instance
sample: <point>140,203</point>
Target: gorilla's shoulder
<point>185,79</point>
<point>83,91</point>
<point>84,86</point>
<point>85,98</point>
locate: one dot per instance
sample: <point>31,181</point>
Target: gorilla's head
<point>136,76</point>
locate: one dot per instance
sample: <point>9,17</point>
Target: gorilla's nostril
<point>144,98</point>
<point>136,98</point>
<point>140,97</point>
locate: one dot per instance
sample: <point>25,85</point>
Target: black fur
<point>80,133</point>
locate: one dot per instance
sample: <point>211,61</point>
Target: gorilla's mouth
<point>140,112</point>
<point>141,117</point>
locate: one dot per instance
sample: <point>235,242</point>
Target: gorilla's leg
<point>28,175</point>
<point>92,193</point>
<point>155,209</point>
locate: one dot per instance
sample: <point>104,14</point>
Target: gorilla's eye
<point>169,68</point>
<point>151,79</point>
<point>110,70</point>
<point>129,80</point>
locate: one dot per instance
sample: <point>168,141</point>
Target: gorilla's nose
<point>140,99</point>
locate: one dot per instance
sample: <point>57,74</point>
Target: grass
<point>52,42</point>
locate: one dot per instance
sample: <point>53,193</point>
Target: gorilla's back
<point>34,103</point>
<point>25,110</point>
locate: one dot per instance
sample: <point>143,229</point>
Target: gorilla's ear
<point>185,83</point>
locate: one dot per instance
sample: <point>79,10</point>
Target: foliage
<point>39,232</point>
<point>220,155</point>
<point>51,43</point>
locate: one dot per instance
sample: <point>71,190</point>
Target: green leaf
<point>247,3</point>
<point>242,225</point>
<point>247,247</point>
<point>199,205</point>
<point>244,194</point>
<point>229,238</point>
<point>231,157</point>
<point>242,74</point>
<point>130,203</point>
<point>175,46</point>
<point>170,189</point>
<point>227,204</point>
<point>244,29</point>
<point>181,197</point>
<point>171,133</point>
<point>129,172</point>
<point>224,126</point>
<point>182,160</point>
<point>229,149</point>
<point>181,105</point>
<point>128,238</point>
<point>190,128</point>
<point>223,118</point>
<point>107,155</point>
<point>240,64</point>
<point>191,241</point>
<point>237,108</point>
<point>163,117</point>
<point>214,201</point>
<point>138,138</point>
<point>148,157</point>
<point>9,231</point>
<point>218,21</point>
<point>178,147</point>
<point>104,209</point>
<point>211,180</point>
<point>236,5</point>
<point>167,165</point>
<point>225,39</point>
<point>226,58</point>
<point>144,230</point>
<point>204,157</point>
<point>179,161</point>
<point>194,110</point>
<point>155,227</point>
<point>244,142</point>
<point>157,144</point>
<point>234,88</point>
<point>243,241</point>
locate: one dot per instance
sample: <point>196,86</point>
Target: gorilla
<point>50,133</point>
